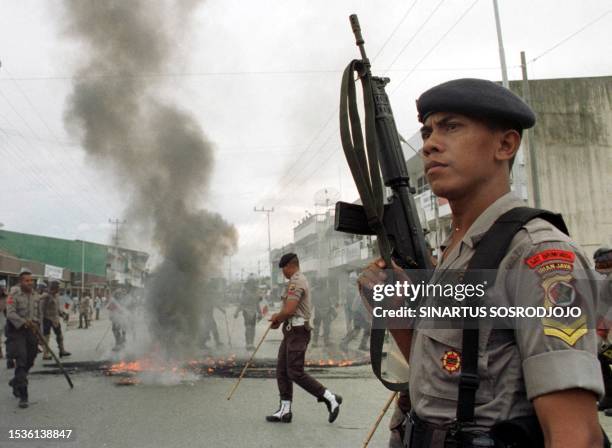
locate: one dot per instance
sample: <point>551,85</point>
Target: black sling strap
<point>489,253</point>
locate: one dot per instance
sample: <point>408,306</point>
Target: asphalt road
<point>193,413</point>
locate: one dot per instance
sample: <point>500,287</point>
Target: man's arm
<point>11,313</point>
<point>288,310</point>
<point>569,419</point>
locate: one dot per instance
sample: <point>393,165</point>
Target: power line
<point>571,36</point>
<point>404,17</point>
<point>240,73</point>
<point>414,35</point>
<point>85,212</point>
<point>434,46</point>
<point>44,122</point>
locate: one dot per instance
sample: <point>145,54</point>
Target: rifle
<point>376,162</point>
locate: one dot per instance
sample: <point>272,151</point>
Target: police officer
<point>84,311</point>
<point>23,314</point>
<point>471,131</point>
<point>603,265</point>
<point>3,297</point>
<point>249,306</point>
<point>294,316</point>
<point>51,314</point>
<point>325,313</point>
<point>119,318</point>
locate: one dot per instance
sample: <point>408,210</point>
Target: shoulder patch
<point>10,300</point>
<point>550,255</point>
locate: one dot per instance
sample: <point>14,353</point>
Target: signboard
<point>53,271</point>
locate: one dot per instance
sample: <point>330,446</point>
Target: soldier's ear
<point>509,142</point>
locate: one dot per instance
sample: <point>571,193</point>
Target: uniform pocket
<point>438,354</point>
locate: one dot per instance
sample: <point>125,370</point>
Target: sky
<point>262,79</point>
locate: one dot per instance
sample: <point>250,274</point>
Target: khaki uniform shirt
<point>85,305</point>
<point>21,307</point>
<point>605,298</point>
<point>250,298</point>
<point>50,307</point>
<point>515,365</point>
<point>298,289</point>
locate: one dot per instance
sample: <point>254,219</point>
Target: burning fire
<point>329,363</point>
<point>173,372</point>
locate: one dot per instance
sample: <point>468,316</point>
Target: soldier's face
<point>459,154</point>
<point>26,282</point>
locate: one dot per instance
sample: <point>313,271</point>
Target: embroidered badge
<point>10,300</point>
<point>550,255</point>
<point>451,361</point>
<point>559,290</point>
<point>568,333</point>
<point>555,266</point>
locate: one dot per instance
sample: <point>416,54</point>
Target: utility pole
<point>529,140</point>
<point>117,223</point>
<point>500,41</point>
<point>82,269</point>
<point>267,211</point>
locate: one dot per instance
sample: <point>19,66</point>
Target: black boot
<point>15,390</point>
<point>283,415</point>
<point>333,414</point>
<point>23,397</point>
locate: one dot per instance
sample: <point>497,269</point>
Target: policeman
<point>603,265</point>
<point>325,313</point>
<point>23,314</point>
<point>51,314</point>
<point>84,311</point>
<point>249,306</point>
<point>294,317</point>
<point>471,132</point>
<point>3,297</point>
<point>119,318</point>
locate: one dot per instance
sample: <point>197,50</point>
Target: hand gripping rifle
<point>394,222</point>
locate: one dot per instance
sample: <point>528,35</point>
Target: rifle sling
<point>366,174</point>
<point>489,253</point>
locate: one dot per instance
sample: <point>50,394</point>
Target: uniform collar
<point>486,219</point>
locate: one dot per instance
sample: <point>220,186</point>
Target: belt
<point>420,434</point>
<point>296,321</point>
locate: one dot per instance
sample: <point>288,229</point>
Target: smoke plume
<point>158,153</point>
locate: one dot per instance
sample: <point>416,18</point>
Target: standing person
<point>97,306</point>
<point>249,305</point>
<point>524,376</point>
<point>118,318</point>
<point>324,313</point>
<point>23,314</point>
<point>3,297</point>
<point>51,313</point>
<point>295,319</point>
<point>214,299</point>
<point>84,311</point>
<point>603,265</point>
<point>351,293</point>
<point>361,324</point>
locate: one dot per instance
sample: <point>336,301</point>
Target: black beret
<point>476,97</point>
<point>286,259</point>
<point>602,254</point>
